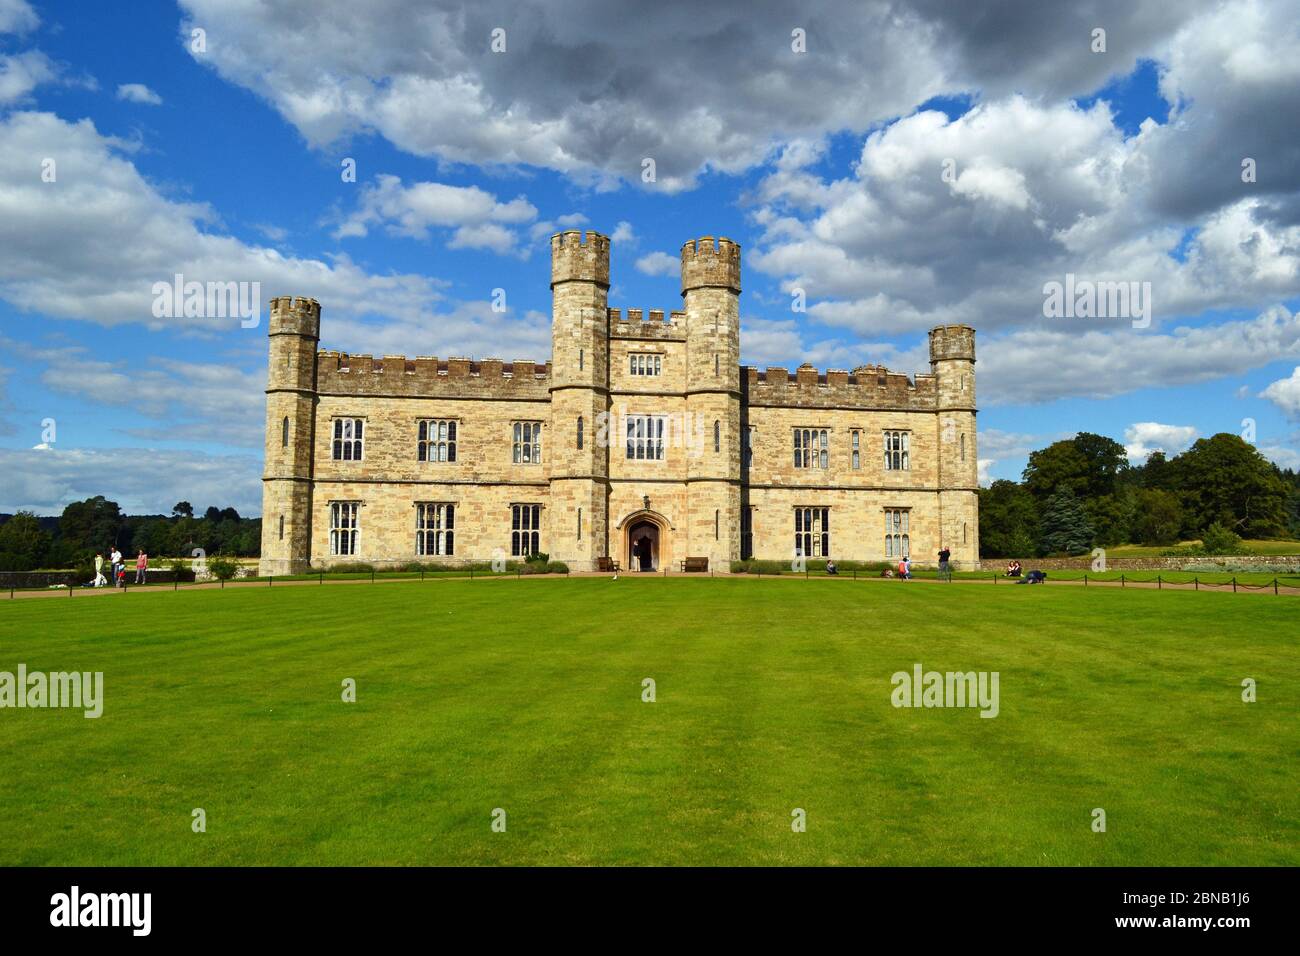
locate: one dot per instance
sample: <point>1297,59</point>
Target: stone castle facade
<point>643,440</point>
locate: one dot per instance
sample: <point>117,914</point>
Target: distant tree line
<point>94,526</point>
<point>1082,493</point>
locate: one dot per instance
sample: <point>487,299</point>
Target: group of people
<point>904,571</point>
<point>118,565</point>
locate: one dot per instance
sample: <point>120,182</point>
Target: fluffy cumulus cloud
<point>659,264</point>
<point>23,72</point>
<point>138,93</point>
<point>1143,438</point>
<point>1285,394</point>
<point>474,218</point>
<point>691,86</point>
<point>92,243</point>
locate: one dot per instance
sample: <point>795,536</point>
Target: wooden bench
<point>607,564</point>
<point>695,564</point>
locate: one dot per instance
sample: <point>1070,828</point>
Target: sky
<point>892,166</point>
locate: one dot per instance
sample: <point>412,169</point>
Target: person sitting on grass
<point>887,573</point>
<point>1013,569</point>
<point>830,568</point>
<point>1034,577</point>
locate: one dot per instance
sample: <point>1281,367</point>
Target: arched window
<point>963,532</point>
<point>717,435</point>
<point>580,433</point>
<point>281,527</point>
<point>284,432</point>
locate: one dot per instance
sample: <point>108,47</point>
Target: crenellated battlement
<point>710,262</point>
<point>428,376</point>
<point>952,342</point>
<point>647,324</point>
<point>867,387</point>
<point>580,257</point>
<point>295,315</point>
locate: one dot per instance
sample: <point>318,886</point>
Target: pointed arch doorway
<point>645,541</point>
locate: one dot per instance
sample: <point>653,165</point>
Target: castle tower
<point>952,361</point>
<point>711,294</point>
<point>290,432</point>
<point>577,516</point>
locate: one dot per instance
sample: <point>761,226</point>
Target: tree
<point>1155,473</point>
<point>91,525</point>
<point>1158,517</point>
<point>24,544</point>
<point>1087,465</point>
<point>213,514</point>
<point>1111,516</point>
<point>1224,479</point>
<point>1065,526</point>
<point>182,509</point>
<point>1008,521</point>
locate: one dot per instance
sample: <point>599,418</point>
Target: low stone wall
<point>1084,563</point>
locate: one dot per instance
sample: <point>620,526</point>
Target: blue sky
<point>223,163</point>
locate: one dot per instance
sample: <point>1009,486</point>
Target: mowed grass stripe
<point>771,695</point>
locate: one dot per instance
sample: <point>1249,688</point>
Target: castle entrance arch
<point>646,543</point>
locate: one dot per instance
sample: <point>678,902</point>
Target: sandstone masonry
<point>643,440</point>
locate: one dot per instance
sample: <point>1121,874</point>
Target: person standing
<point>99,581</point>
<point>945,569</point>
<point>117,565</point>
<point>141,566</point>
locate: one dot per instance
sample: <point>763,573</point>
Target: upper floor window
<point>525,529</point>
<point>896,451</point>
<point>717,436</point>
<point>438,440</point>
<point>284,432</point>
<point>645,437</point>
<point>435,528</point>
<point>527,446</point>
<point>812,532</point>
<point>579,433</point>
<point>343,527</point>
<point>347,439</point>
<point>963,446</point>
<point>811,448</point>
<point>640,363</point>
<point>855,438</point>
<point>898,543</point>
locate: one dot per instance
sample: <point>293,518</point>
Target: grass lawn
<point>771,695</point>
<point>1258,546</point>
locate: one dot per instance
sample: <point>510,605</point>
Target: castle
<point>643,440</point>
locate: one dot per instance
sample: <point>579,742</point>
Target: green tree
<point>24,544</point>
<point>182,509</point>
<point>1065,528</point>
<point>1008,521</point>
<point>1157,518</point>
<point>1111,516</point>
<point>1086,465</point>
<point>91,525</point>
<point>1224,479</point>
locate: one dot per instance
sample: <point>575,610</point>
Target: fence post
<point>1159,583</point>
<point>1121,579</point>
<point>270,580</point>
<point>1234,584</point>
<point>176,580</point>
<point>372,575</point>
<point>223,583</point>
<point>1085,580</point>
<point>321,577</point>
<point>1275,585</point>
<point>1196,583</point>
<point>421,574</point>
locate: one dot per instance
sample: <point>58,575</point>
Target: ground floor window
<point>525,530</point>
<point>435,529</point>
<point>343,527</point>
<point>746,533</point>
<point>812,532</point>
<point>898,543</point>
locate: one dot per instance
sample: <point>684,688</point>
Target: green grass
<point>1259,546</point>
<point>772,695</point>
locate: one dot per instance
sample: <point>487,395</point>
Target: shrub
<point>223,568</point>
<point>352,567</point>
<point>1217,540</point>
<point>557,567</point>
<point>541,557</point>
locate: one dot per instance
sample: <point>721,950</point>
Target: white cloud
<point>660,264</point>
<point>997,445</point>
<point>138,93</point>
<point>478,218</point>
<point>92,244</point>
<point>22,73</point>
<point>623,233</point>
<point>142,481</point>
<point>1285,394</point>
<point>1143,438</point>
<point>17,16</point>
